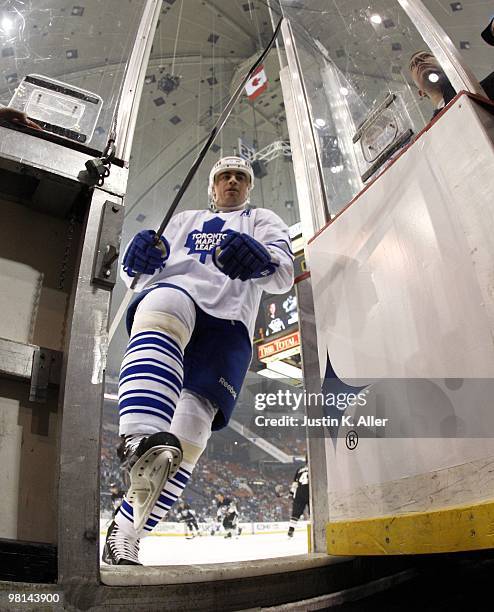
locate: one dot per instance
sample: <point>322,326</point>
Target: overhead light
<point>111,396</point>
<point>7,24</point>
<point>320,123</point>
<point>376,18</point>
<point>433,77</point>
<point>168,83</point>
<point>343,91</point>
<point>285,369</point>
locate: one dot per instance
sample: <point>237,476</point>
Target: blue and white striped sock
<point>151,379</point>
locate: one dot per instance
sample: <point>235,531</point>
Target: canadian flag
<point>257,83</point>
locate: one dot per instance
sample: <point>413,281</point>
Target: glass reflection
<point>84,47</point>
<point>354,58</point>
<point>471,30</point>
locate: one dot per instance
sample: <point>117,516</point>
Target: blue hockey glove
<point>243,257</point>
<point>145,255</point>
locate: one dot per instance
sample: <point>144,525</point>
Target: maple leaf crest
<point>205,240</point>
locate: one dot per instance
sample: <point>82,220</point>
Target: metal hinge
<point>46,370</point>
<point>108,245</point>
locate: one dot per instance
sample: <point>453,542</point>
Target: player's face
<point>231,187</point>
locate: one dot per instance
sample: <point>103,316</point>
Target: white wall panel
<point>403,279</point>
<point>403,284</point>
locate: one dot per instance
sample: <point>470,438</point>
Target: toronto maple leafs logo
<point>204,241</point>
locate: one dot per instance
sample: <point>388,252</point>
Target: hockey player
<point>214,522</point>
<point>227,515</point>
<point>190,344</point>
<point>300,493</point>
<point>188,516</point>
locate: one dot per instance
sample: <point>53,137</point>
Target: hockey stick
<point>192,171</point>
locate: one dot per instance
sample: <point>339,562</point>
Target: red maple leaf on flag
<point>257,83</point>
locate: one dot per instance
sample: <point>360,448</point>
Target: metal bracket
<point>108,245</point>
<point>45,371</point>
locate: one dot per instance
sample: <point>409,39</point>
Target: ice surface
<point>176,550</point>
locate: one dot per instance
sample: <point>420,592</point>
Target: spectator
<point>433,83</point>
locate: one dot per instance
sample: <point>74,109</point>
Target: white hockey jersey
<point>193,235</point>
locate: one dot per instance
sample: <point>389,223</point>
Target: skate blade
<point>147,479</point>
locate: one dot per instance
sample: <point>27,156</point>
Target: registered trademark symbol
<point>351,440</point>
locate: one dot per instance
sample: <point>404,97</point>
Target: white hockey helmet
<point>230,163</point>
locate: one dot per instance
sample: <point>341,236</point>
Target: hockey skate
<point>150,464</point>
<point>120,549</point>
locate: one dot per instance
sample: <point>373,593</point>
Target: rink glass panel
<point>350,62</point>
<point>463,23</point>
<point>85,46</point>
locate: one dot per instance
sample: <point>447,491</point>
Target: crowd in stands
<point>286,441</point>
<point>255,492</point>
